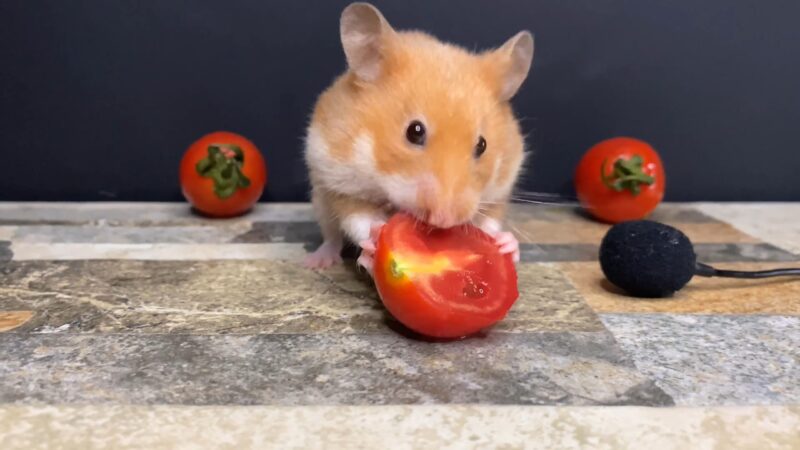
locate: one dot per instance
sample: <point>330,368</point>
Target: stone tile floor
<point>143,326</point>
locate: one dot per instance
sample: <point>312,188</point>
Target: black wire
<point>704,270</point>
<point>759,274</point>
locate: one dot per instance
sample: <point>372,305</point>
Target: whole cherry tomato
<point>443,283</point>
<point>222,174</point>
<point>620,179</point>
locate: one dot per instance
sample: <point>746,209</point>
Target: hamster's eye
<point>480,147</point>
<point>415,133</point>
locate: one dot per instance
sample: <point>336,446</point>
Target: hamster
<point>414,125</point>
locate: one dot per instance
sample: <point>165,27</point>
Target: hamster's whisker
<point>543,198</point>
<point>541,202</point>
<point>520,232</point>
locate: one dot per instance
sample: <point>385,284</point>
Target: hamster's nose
<point>442,219</point>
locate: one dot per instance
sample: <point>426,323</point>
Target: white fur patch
<point>317,151</point>
<point>492,192</point>
<point>402,191</point>
<point>357,226</point>
<point>362,151</point>
<point>356,177</point>
<point>490,226</point>
<point>499,189</point>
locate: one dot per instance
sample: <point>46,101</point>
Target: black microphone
<point>650,259</point>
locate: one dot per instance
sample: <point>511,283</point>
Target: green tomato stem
<point>626,174</point>
<point>224,166</point>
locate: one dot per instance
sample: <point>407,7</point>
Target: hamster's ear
<point>511,63</point>
<point>364,32</point>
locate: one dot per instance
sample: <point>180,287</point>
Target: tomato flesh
<point>443,283</point>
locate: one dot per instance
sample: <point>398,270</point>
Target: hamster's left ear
<point>511,63</point>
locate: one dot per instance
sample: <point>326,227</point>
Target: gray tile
<point>547,368</point>
<point>243,296</point>
<point>305,232</point>
<point>5,251</point>
<point>742,253</point>
<point>674,213</point>
<point>557,252</point>
<point>715,360</point>
<point>547,213</point>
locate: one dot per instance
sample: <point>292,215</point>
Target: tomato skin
<point>603,202</point>
<point>420,303</point>
<point>199,190</point>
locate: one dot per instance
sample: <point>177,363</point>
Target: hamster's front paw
<point>507,243</point>
<point>328,254</point>
<point>367,257</point>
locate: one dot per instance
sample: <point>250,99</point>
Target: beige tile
<point>701,295</point>
<point>396,427</point>
<point>6,232</point>
<point>776,223</point>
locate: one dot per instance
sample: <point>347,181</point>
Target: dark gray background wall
<point>98,99</point>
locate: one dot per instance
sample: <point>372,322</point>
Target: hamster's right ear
<point>511,63</point>
<point>364,32</point>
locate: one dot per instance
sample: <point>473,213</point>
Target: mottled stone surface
<point>542,368</point>
<point>243,297</point>
<point>701,295</point>
<point>189,297</point>
<point>125,427</point>
<point>715,360</point>
<point>149,305</point>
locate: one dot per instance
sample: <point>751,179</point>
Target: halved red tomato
<point>443,283</point>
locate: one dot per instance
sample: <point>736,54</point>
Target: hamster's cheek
<point>401,191</point>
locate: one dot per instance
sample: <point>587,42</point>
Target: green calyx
<point>626,174</point>
<point>224,165</point>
